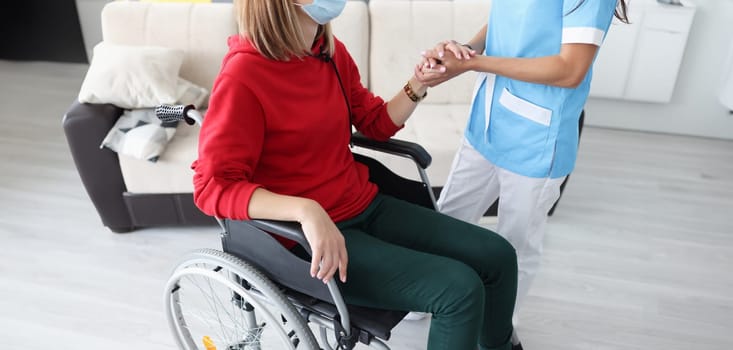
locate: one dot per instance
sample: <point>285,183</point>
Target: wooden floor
<point>639,254</point>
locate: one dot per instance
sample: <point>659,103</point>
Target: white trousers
<point>475,183</point>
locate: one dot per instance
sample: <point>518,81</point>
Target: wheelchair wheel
<point>215,301</point>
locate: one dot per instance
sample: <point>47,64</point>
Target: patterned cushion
<point>140,134</point>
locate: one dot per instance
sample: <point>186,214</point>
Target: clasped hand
<point>443,62</point>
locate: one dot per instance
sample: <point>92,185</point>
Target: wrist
<point>418,89</point>
<point>306,210</point>
<point>472,64</point>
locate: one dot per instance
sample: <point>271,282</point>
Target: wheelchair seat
<point>368,321</point>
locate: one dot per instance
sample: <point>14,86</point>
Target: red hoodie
<point>283,125</point>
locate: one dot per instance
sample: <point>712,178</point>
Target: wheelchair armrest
<point>397,147</point>
<point>286,229</point>
<point>292,271</point>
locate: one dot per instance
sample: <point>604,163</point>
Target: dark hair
<point>620,12</point>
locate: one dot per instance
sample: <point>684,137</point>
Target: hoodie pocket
<point>526,109</point>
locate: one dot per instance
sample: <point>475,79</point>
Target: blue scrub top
<point>532,129</point>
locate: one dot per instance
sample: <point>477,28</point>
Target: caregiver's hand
<point>435,68</point>
<point>459,51</point>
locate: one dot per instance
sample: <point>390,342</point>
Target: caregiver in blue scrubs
<point>522,136</point>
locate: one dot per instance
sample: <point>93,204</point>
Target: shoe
<point>516,344</point>
<point>415,316</point>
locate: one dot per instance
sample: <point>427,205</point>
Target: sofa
<point>383,36</point>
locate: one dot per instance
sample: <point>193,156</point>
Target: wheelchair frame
<point>259,269</point>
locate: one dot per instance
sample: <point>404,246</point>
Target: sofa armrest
<point>85,126</point>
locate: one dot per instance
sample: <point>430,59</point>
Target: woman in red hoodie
<point>275,145</point>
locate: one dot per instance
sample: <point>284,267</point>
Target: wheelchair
<point>256,294</point>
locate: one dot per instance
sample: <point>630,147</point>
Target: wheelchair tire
<point>215,300</point>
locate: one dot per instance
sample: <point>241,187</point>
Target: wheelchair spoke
<point>216,304</point>
<point>233,326</point>
<point>230,322</point>
<point>247,337</point>
<point>211,301</point>
<point>257,317</point>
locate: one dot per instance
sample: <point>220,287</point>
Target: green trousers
<point>406,257</point>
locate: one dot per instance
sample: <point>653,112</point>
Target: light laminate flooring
<point>638,255</point>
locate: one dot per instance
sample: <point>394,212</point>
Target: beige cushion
<point>132,76</point>
<point>171,173</point>
<point>200,30</point>
<point>188,93</point>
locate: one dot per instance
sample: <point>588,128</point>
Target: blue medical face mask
<point>323,11</point>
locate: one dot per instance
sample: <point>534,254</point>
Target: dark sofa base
<point>164,209</point>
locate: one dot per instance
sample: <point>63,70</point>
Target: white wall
<point>694,109</point>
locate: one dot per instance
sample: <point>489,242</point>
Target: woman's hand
<point>459,51</point>
<point>438,67</point>
<point>327,244</point>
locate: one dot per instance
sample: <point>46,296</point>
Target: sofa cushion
<point>132,76</point>
<point>171,173</point>
<point>200,30</point>
<point>188,93</point>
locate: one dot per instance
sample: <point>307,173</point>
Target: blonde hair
<point>273,28</point>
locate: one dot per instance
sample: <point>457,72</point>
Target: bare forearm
<point>566,69</point>
<point>400,107</point>
<point>549,70</point>
<point>271,206</point>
